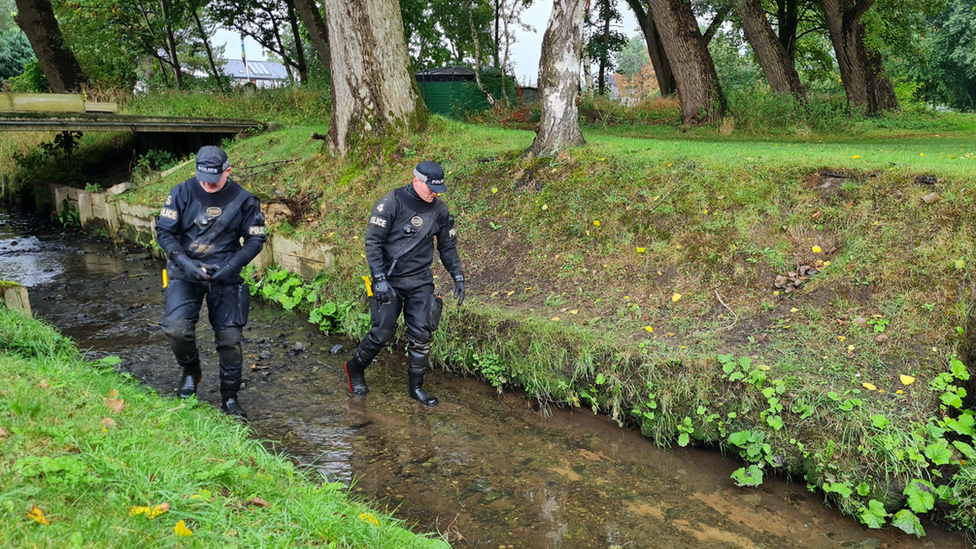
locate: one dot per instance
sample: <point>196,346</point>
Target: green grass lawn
<point>91,459</point>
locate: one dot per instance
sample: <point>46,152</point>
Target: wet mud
<point>486,469</point>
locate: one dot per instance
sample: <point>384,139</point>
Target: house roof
<point>258,70</point>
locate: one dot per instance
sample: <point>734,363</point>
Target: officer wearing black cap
<point>201,228</point>
<point>400,238</point>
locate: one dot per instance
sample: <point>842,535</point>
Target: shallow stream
<point>489,470</point>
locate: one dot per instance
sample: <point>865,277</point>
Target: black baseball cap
<point>432,174</point>
<point>211,163</point>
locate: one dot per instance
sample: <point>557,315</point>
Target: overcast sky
<point>524,53</point>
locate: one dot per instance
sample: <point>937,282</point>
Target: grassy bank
<point>90,459</point>
<point>800,298</point>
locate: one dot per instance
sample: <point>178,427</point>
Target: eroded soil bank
<point>489,470</point>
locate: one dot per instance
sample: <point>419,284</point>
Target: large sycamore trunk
<point>36,19</point>
<point>694,71</point>
<point>374,94</point>
<point>861,70</point>
<point>776,62</point>
<point>655,50</point>
<point>559,79</point>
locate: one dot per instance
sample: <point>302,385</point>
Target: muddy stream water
<point>491,470</point>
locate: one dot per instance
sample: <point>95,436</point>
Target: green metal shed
<point>453,91</point>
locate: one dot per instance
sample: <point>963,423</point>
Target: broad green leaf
<point>879,421</point>
<point>838,488</point>
<point>959,369</point>
<point>908,522</point>
<point>753,476</point>
<point>740,438</point>
<point>939,452</point>
<point>963,425</point>
<point>965,449</point>
<point>776,422</point>
<point>683,439</point>
<point>863,489</point>
<point>873,515</point>
<point>921,496</point>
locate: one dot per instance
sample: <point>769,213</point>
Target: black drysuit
<point>209,228</point>
<point>400,248</point>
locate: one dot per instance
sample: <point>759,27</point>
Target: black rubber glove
<point>459,292</point>
<point>382,291</point>
<point>191,268</point>
<point>230,273</point>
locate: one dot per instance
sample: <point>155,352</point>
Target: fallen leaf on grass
<point>107,423</point>
<point>675,297</point>
<point>2,433</point>
<point>906,380</point>
<point>574,311</point>
<point>649,329</point>
<point>259,502</point>
<point>510,293</point>
<point>37,516</point>
<point>43,385</point>
<point>114,404</point>
<point>554,319</point>
<point>817,250</point>
<point>181,530</point>
<point>869,386</point>
<point>114,393</point>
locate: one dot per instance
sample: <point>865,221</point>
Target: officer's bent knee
<point>229,338</point>
<point>419,337</point>
<point>183,330</point>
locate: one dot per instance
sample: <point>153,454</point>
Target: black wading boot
<point>355,376</point>
<point>416,382</point>
<point>191,378</point>
<point>231,406</point>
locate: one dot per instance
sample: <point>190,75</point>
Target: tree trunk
<point>559,79</point>
<point>36,19</point>
<point>605,58</point>
<point>861,70</point>
<point>788,19</point>
<point>655,50</point>
<point>694,71</point>
<point>498,44</point>
<point>308,10</point>
<point>374,93</point>
<point>171,44</point>
<point>717,22</point>
<point>773,58</point>
<point>210,58</point>
<point>300,63</point>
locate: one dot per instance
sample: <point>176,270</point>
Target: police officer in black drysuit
<point>200,228</point>
<point>400,249</point>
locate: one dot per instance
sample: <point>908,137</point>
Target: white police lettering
<point>256,230</point>
<point>379,209</point>
<point>208,169</point>
<point>379,221</point>
<point>169,214</point>
<point>452,233</point>
<point>169,200</point>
